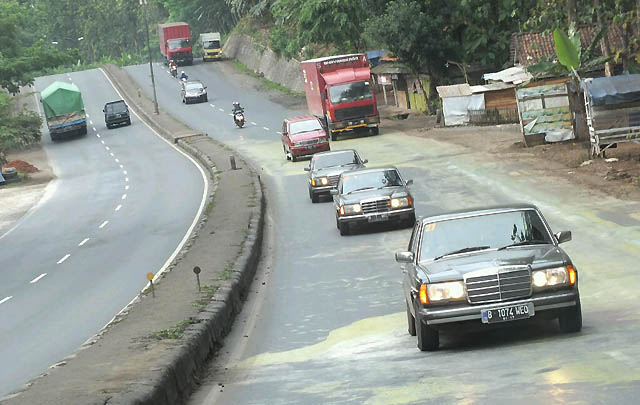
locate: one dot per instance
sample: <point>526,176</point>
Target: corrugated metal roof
<point>456,90</point>
<point>515,75</point>
<point>483,88</point>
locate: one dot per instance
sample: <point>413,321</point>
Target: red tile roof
<point>528,48</point>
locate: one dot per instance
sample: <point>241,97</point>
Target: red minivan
<point>303,136</point>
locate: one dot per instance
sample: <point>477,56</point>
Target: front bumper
<point>321,190</point>
<point>392,215</point>
<point>543,302</point>
<point>116,121</point>
<point>195,99</point>
<point>355,123</point>
<point>307,150</point>
<point>212,56</point>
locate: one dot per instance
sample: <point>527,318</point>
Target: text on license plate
<point>378,218</point>
<point>508,313</point>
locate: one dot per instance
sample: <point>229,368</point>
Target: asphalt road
<point>122,203</point>
<point>329,324</point>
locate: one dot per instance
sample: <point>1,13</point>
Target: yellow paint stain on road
<point>635,215</point>
<point>600,369</point>
<point>356,330</point>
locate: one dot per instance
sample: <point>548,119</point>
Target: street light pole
<point>143,3</point>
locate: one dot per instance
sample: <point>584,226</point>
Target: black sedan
<point>366,196</point>
<point>487,267</point>
<point>325,169</point>
<point>193,91</point>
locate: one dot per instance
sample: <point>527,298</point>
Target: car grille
<point>308,142</point>
<point>333,180</point>
<point>376,206</point>
<point>353,112</point>
<point>506,284</point>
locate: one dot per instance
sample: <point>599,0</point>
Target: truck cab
<point>211,46</point>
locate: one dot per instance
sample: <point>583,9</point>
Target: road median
<point>152,352</point>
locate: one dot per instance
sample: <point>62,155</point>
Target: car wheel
<point>315,198</point>
<point>129,121</point>
<point>428,338</point>
<point>570,320</point>
<point>184,101</point>
<point>334,137</point>
<point>337,222</point>
<point>286,155</point>
<point>344,228</point>
<point>374,131</point>
<point>411,321</point>
<point>108,126</point>
<point>294,158</point>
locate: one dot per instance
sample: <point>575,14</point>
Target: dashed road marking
<point>118,207</point>
<point>126,187</point>
<point>94,128</point>
<point>231,115</point>
<point>102,142</point>
<point>87,115</point>
<point>111,153</point>
<point>65,257</point>
<point>124,196</point>
<point>126,179</point>
<point>279,133</point>
<point>253,123</point>
<point>117,160</point>
<point>212,105</point>
<point>121,166</point>
<point>266,129</point>
<point>35,280</point>
<point>124,171</point>
<point>90,122</point>
<point>84,241</point>
<point>221,109</point>
<point>5,299</point>
<point>98,135</point>
<point>102,225</point>
<point>106,147</point>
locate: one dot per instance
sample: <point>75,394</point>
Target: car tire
<point>334,137</point>
<point>411,321</point>
<point>286,155</point>
<point>108,126</point>
<point>570,320</point>
<point>374,131</point>
<point>129,121</point>
<point>428,338</point>
<point>337,222</point>
<point>206,99</point>
<point>344,228</point>
<point>294,158</point>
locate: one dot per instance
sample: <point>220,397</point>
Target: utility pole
<point>143,3</point>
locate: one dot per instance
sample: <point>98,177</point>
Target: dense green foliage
<point>17,129</point>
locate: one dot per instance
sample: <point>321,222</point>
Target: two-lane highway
<point>329,324</point>
<point>122,204</point>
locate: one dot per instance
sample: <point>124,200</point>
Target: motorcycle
<point>238,118</point>
<point>174,72</point>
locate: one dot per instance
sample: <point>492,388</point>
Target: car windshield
<point>335,159</point>
<point>350,92</point>
<point>370,180</point>
<point>488,231</point>
<point>211,44</point>
<point>178,43</point>
<point>116,108</point>
<point>304,126</point>
<point>193,86</point>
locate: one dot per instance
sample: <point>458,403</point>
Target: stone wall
<point>262,60</point>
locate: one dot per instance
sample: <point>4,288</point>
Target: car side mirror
<point>333,191</point>
<point>307,169</point>
<point>563,236</point>
<point>205,87</point>
<point>404,257</point>
<point>409,182</point>
<point>103,110</point>
<point>365,161</point>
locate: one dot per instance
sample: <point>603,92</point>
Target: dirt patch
<point>21,166</point>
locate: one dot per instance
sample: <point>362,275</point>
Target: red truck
<point>339,91</point>
<point>175,43</point>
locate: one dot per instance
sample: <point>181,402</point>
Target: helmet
<point>182,72</point>
<point>236,104</point>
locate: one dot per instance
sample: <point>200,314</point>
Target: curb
<point>172,382</point>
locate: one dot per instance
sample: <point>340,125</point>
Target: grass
<point>265,82</point>
<point>206,293</point>
<point>176,332</point>
<point>226,273</point>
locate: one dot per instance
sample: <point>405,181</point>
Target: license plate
<point>378,218</point>
<point>508,313</point>
<point>311,147</point>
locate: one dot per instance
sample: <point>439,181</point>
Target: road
<point>122,203</point>
<point>328,325</point>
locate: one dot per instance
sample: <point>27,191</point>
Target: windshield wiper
<point>361,189</point>
<point>526,242</point>
<point>464,250</point>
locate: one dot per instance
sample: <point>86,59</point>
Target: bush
<point>17,130</point>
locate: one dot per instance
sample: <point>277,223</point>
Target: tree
<point>419,34</point>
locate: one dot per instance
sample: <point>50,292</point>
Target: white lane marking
<point>5,299</point>
<point>94,128</point>
<point>64,258</point>
<point>35,280</point>
<point>266,129</point>
<point>126,187</point>
<point>126,179</point>
<point>102,142</point>
<point>102,225</point>
<point>221,109</point>
<point>253,123</point>
<point>117,160</point>
<point>122,167</point>
<point>231,115</point>
<point>84,241</point>
<point>203,200</point>
<point>98,135</point>
<point>107,148</point>
<point>124,196</point>
<point>212,105</point>
<point>124,171</point>
<point>87,115</point>
<point>70,80</point>
<point>90,122</point>
<point>279,133</point>
<point>118,207</point>
<point>111,153</point>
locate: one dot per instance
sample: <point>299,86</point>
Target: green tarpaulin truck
<point>64,110</point>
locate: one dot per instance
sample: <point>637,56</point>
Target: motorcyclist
<point>183,76</point>
<point>237,108</point>
<point>172,65</point>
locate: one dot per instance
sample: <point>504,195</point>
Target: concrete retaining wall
<point>262,60</point>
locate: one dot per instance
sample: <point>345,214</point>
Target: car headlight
<point>439,292</point>
<point>557,276</point>
<point>320,181</point>
<point>350,209</point>
<point>401,202</point>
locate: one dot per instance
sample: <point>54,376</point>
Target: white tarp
<point>455,109</point>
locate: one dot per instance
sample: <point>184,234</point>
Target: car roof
<point>192,82</point>
<point>115,102</point>
<point>371,169</point>
<point>495,209</point>
<point>334,152</point>
<point>301,118</point>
